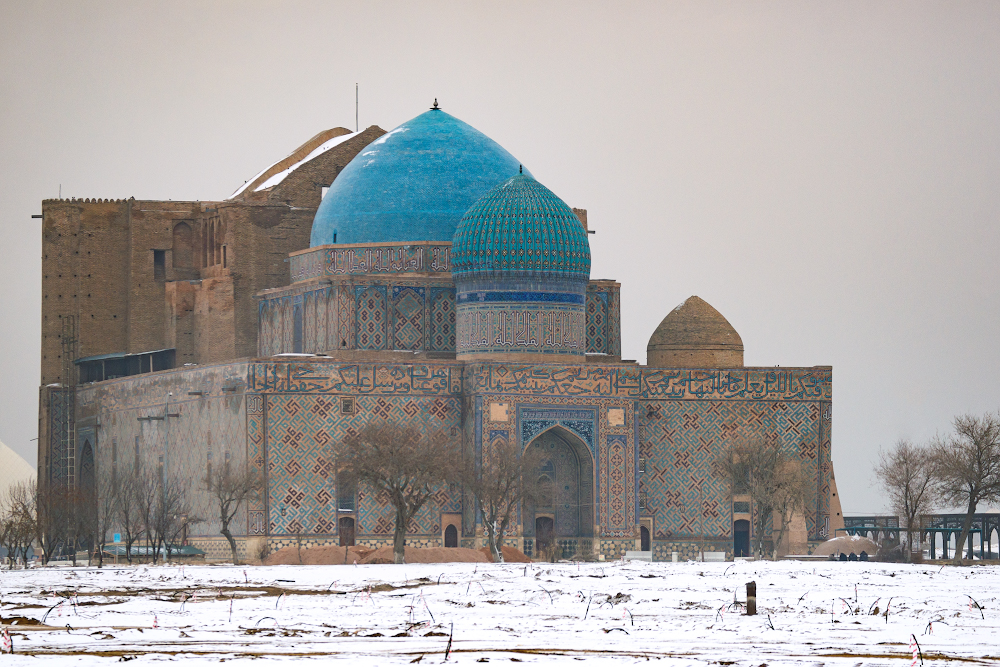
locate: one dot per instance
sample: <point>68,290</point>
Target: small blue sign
<point>118,538</point>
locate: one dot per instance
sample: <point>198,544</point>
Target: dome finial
<point>520,168</point>
<point>435,107</point>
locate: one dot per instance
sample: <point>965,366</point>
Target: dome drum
<point>521,262</point>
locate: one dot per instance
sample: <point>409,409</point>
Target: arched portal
<point>451,536</point>
<point>644,544</point>
<point>564,508</point>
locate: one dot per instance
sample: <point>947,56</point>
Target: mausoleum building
<point>430,279</point>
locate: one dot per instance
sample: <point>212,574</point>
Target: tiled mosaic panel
<point>681,439</point>
<point>302,431</point>
<point>408,318</point>
<point>530,418</point>
<point>637,382</point>
<point>412,316</point>
<point>60,426</point>
<point>614,323</point>
<point>345,318</point>
<point>214,423</point>
<point>372,314</point>
<point>597,339</point>
<point>518,327</point>
<point>442,333</point>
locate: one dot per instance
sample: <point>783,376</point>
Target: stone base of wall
<point>217,548</point>
<point>688,549</point>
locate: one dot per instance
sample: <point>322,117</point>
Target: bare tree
<point>231,487</point>
<point>20,521</point>
<point>145,489</point>
<point>967,467</point>
<point>131,490</point>
<point>53,515</point>
<point>171,510</point>
<point>789,495</point>
<point>405,464</point>
<point>773,480</point>
<point>499,483</point>
<point>106,511</point>
<point>906,474</point>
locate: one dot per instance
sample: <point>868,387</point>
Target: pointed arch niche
<point>565,507</point>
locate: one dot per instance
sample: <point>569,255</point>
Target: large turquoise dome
<point>520,229</point>
<point>412,184</point>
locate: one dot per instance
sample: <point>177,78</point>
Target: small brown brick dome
<point>694,335</point>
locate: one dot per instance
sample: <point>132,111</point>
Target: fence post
<point>751,598</point>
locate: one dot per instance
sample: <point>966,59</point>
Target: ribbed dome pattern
<point>521,228</point>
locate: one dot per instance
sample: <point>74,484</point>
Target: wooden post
<point>751,598</point>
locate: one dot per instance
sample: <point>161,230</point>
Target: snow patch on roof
<point>322,148</point>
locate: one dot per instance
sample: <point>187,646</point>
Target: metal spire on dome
<point>435,107</point>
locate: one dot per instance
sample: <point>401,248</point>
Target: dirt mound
<point>318,556</point>
<point>510,555</point>
<point>430,555</point>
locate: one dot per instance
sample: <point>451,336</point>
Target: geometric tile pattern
<point>372,315</point>
<point>617,463</point>
<point>302,432</point>
<point>442,334</point>
<point>291,414</point>
<point>408,318</point>
<point>424,318</point>
<point>681,439</point>
<point>597,304</point>
<point>345,319</point>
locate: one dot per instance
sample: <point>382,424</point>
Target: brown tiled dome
<point>694,335</point>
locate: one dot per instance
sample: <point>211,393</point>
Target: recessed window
<point>642,465</point>
<point>741,507</point>
<point>347,406</point>
<point>159,264</point>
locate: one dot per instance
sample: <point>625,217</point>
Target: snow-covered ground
<point>604,613</point>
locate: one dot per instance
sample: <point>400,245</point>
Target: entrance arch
<point>564,506</point>
<point>451,536</point>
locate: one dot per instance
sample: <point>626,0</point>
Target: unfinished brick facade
<point>128,276</point>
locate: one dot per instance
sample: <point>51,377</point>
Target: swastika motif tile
<point>303,432</point>
<point>680,440</point>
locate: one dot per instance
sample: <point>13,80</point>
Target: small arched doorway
<point>644,544</point>
<point>345,528</point>
<point>741,538</point>
<point>544,528</point>
<point>451,536</point>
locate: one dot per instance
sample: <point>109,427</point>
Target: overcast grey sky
<point>827,175</point>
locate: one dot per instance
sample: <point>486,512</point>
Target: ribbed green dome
<point>520,227</point>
